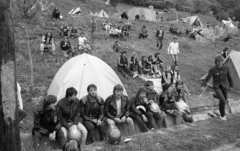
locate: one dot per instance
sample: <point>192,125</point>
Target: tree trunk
<point>9,128</point>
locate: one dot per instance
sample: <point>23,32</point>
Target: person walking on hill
<point>173,50</point>
<point>221,81</point>
<point>160,36</point>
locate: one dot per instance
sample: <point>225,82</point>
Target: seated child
<point>116,47</point>
<point>143,33</point>
<point>64,30</point>
<point>47,43</point>
<point>66,47</point>
<point>153,61</point>
<point>56,14</point>
<point>73,32</point>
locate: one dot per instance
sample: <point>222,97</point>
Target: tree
<point>9,128</point>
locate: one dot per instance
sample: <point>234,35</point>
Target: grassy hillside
<point>194,60</point>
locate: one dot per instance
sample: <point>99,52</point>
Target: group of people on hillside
<point>48,43</point>
<point>91,114</point>
<point>117,31</point>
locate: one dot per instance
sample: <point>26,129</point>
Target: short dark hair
<point>117,87</point>
<point>49,99</point>
<point>144,26</point>
<point>165,86</point>
<point>123,52</point>
<point>91,86</point>
<point>70,92</point>
<point>148,83</point>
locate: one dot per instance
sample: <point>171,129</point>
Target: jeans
<point>124,71</point>
<point>129,121</point>
<point>159,43</point>
<point>222,96</point>
<point>38,136</point>
<point>92,128</point>
<point>155,120</point>
<point>139,121</point>
<point>83,131</point>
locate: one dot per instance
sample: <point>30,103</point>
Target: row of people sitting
<point>68,50</point>
<point>91,114</point>
<point>66,31</point>
<point>148,67</point>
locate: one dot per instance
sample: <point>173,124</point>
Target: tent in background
<point>233,62</point>
<point>75,11</point>
<point>150,15</point>
<point>192,20</point>
<point>120,15</point>
<point>81,71</point>
<point>102,13</point>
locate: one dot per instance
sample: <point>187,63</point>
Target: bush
<point>184,5</point>
<point>201,6</point>
<point>216,8</point>
<point>235,13</point>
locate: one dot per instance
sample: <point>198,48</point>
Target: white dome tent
<point>81,71</point>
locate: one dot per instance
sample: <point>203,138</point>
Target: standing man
<point>160,36</point>
<point>69,113</point>
<point>92,111</point>
<point>117,109</point>
<point>173,50</point>
<point>221,82</point>
<point>47,123</point>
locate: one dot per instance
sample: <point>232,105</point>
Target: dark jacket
<point>136,102</point>
<point>97,110</point>
<point>111,107</point>
<point>158,34</point>
<point>123,61</point>
<point>65,47</point>
<point>46,121</point>
<point>220,77</point>
<point>69,112</point>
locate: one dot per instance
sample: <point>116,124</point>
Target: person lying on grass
<point>143,33</point>
<point>134,64</point>
<point>117,108</point>
<point>176,76</point>
<point>47,43</point>
<point>64,30</point>
<point>178,97</point>
<point>153,103</point>
<point>69,112</point>
<point>123,66</point>
<point>144,68</point>
<point>47,122</point>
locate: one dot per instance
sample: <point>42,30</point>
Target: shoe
<point>223,118</point>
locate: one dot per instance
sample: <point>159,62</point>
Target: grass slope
<point>194,60</point>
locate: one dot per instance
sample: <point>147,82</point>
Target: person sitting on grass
<point>85,48</point>
<point>176,76</point>
<point>139,110</point>
<point>123,66</point>
<point>159,63</point>
<point>167,75</point>
<point>69,112</point>
<point>107,25</point>
<point>92,111</point>
<point>47,122</point>
<point>73,32</point>
<point>47,43</point>
<point>125,32</point>
<point>153,61</point>
<point>143,33</point>
<point>64,30</point>
<point>116,47</point>
<point>144,68</point>
<point>153,103</point>
<point>66,47</point>
<point>114,32</point>
<point>143,18</point>
<point>134,64</point>
<point>178,96</point>
<point>117,108</point>
<point>168,105</point>
<point>137,17</point>
<point>56,14</point>
<point>128,24</point>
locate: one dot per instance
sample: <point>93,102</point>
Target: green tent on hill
<point>150,15</point>
<point>233,62</point>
